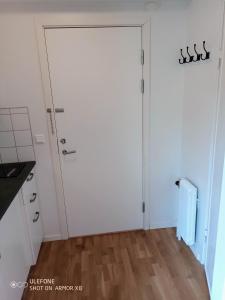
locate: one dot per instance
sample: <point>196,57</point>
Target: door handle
<point>59,110</point>
<point>65,152</point>
<point>30,177</point>
<point>34,198</point>
<point>37,214</point>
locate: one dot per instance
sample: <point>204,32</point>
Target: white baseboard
<point>163,224</point>
<point>196,253</point>
<point>207,279</point>
<point>54,237</point>
<point>157,225</point>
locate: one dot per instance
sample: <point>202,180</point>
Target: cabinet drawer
<point>35,227</point>
<point>33,215</point>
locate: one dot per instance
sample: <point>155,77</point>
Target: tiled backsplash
<point>16,142</point>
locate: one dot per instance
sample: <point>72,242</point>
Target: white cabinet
<point>14,262</point>
<point>20,240</point>
<point>33,217</point>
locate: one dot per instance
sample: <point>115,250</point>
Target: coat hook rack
<point>184,59</point>
<point>196,57</point>
<point>207,53</point>
<point>191,57</point>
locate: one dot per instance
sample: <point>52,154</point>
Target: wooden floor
<point>139,265</point>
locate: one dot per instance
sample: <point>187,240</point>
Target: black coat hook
<point>191,57</point>
<point>207,53</point>
<point>184,60</point>
<point>198,55</point>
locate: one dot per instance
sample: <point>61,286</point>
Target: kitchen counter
<point>9,187</point>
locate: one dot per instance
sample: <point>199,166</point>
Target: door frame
<point>94,20</point>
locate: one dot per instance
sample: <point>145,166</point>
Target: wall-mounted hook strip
<point>191,57</point>
<point>207,53</point>
<point>198,55</point>
<point>184,59</point>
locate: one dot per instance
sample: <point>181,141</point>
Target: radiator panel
<point>187,213</point>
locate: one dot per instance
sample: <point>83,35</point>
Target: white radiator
<point>187,213</point>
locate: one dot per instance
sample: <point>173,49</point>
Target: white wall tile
<point>19,110</point>
<point>5,123</point>
<point>20,121</point>
<point>4,111</point>
<point>7,139</point>
<point>8,155</point>
<point>25,153</point>
<point>23,138</point>
<point>15,135</point>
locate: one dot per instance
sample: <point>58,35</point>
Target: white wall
<point>216,257</point>
<point>167,85</point>
<point>20,84</point>
<point>200,108</point>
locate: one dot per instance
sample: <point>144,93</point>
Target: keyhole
<point>63,141</point>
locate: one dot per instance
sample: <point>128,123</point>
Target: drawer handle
<point>30,177</point>
<point>34,198</point>
<point>37,214</point>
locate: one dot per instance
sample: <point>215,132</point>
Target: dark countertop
<point>9,187</point>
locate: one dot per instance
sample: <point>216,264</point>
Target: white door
<point>96,78</point>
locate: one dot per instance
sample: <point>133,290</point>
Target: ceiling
<point>72,1</point>
<point>82,1</point>
<point>90,4</point>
